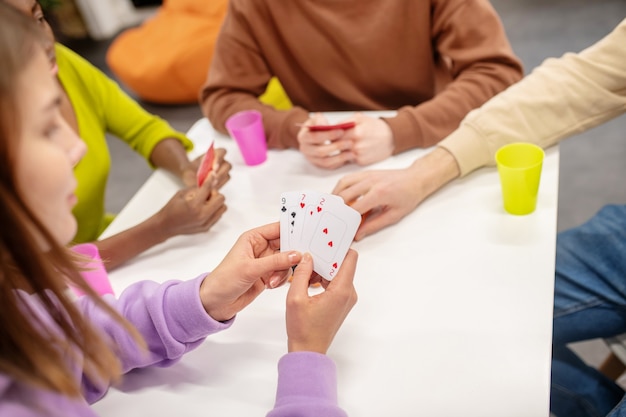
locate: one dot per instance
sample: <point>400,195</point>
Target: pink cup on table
<point>246,127</point>
<point>93,271</point>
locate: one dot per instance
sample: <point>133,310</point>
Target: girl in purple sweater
<point>58,355</point>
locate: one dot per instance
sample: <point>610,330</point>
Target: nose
<point>49,48</point>
<point>74,145</point>
<point>78,151</point>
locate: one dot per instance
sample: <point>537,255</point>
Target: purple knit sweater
<point>172,320</point>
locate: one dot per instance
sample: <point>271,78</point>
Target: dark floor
<point>593,164</point>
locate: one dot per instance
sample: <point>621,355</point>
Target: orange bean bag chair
<point>166,59</point>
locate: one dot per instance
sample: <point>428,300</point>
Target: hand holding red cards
<point>326,145</point>
<point>321,224</point>
<point>360,139</point>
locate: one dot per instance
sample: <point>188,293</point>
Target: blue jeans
<point>589,303</point>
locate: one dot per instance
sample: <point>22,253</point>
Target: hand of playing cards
<point>321,224</point>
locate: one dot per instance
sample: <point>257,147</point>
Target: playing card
<point>329,240</point>
<point>322,128</point>
<point>288,218</point>
<point>293,205</point>
<point>206,166</point>
<point>316,205</point>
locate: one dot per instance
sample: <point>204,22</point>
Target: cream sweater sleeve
<point>561,97</point>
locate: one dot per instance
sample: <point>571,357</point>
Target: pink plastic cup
<point>93,272</point>
<point>246,127</point>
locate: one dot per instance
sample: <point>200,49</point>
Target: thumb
<point>204,191</point>
<point>301,276</point>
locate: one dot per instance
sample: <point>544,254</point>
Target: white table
<point>454,316</point>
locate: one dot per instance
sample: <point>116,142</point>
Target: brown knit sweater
<point>433,61</point>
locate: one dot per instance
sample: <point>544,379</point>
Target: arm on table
<point>175,317</point>
<point>189,211</point>
<point>550,104</point>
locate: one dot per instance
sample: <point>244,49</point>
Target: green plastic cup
<point>519,166</point>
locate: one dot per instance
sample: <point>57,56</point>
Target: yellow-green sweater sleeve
<point>119,114</point>
<point>102,107</point>
<point>561,97</point>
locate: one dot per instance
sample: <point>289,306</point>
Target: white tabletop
<point>454,316</point>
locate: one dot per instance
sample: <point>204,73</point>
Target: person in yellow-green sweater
<point>94,105</point>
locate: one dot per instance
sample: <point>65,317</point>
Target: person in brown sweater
<point>433,61</point>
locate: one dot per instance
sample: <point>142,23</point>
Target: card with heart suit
<point>318,223</point>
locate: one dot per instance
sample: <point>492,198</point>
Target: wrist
<point>183,168</point>
<point>211,302</point>
<point>158,227</point>
<point>220,314</point>
<point>435,170</point>
<point>294,346</point>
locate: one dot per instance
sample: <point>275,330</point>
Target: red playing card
<point>321,128</point>
<point>206,166</point>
